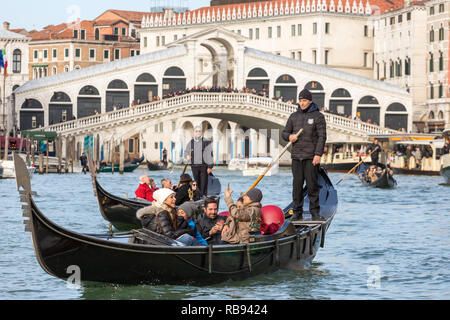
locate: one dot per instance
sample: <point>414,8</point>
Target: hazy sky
<point>31,14</point>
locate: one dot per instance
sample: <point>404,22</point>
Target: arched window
<point>174,72</point>
<point>314,86</point>
<point>368,100</point>
<point>60,97</point>
<point>285,78</point>
<point>431,115</point>
<point>146,77</point>
<point>97,34</point>
<point>341,102</point>
<point>396,107</point>
<point>396,117</point>
<point>89,91</point>
<point>340,93</point>
<point>31,104</point>
<point>117,84</point>
<point>17,61</point>
<point>440,115</point>
<point>257,73</point>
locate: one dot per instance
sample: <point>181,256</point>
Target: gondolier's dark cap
<point>255,194</point>
<point>185,178</point>
<point>305,94</point>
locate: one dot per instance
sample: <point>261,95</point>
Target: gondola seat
<point>286,229</point>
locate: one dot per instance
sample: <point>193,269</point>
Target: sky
<point>31,14</point>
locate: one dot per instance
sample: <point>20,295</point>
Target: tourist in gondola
<point>194,195</point>
<point>199,153</point>
<point>375,147</point>
<point>146,188</point>
<point>161,217</point>
<point>187,210</point>
<point>306,153</point>
<point>211,225</point>
<point>167,183</point>
<point>183,192</point>
<point>244,220</point>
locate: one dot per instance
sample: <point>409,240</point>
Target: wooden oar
<point>184,171</point>
<point>273,162</point>
<point>357,166</point>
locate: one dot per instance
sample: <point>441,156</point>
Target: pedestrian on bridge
<point>306,153</point>
<point>199,153</point>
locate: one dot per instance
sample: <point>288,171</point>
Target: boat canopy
<point>437,143</point>
<point>40,135</point>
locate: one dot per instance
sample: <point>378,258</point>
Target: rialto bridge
<point>84,102</point>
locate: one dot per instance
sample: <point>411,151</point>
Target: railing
<point>209,98</point>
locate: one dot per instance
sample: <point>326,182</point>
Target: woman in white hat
<point>161,217</point>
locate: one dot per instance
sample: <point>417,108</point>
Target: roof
<point>6,34</point>
<point>314,68</point>
<point>134,16</point>
<point>102,68</point>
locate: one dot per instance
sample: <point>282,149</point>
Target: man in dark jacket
<point>376,149</point>
<point>200,155</point>
<point>211,225</point>
<point>306,153</point>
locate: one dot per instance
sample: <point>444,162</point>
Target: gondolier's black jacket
<point>312,141</point>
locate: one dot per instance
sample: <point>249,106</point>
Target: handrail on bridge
<point>208,97</point>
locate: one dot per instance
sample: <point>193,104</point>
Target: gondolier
<point>375,148</point>
<point>199,153</point>
<point>306,153</point>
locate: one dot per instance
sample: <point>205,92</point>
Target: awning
<point>40,135</point>
<point>40,66</point>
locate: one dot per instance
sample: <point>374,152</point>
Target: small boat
<point>156,166</point>
<point>256,167</point>
<point>8,171</point>
<point>384,181</point>
<point>141,256</point>
<point>237,164</point>
<point>126,168</point>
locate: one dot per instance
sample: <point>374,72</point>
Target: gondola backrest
<point>286,229</point>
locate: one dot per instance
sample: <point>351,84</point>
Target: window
<point>66,68</point>
<point>157,41</point>
<point>55,53</point>
<point>35,54</point>
<point>441,33</point>
<point>161,127</point>
<point>250,34</point>
<point>400,18</point>
<point>315,28</point>
<point>278,31</point>
<point>299,55</point>
<point>66,52</point>
<point>163,40</point>
<point>97,34</point>
<point>314,56</point>
<point>64,116</point>
<point>138,52</point>
<point>269,32</point>
<point>145,42</point>
<point>378,71</point>
<point>391,69</point>
<point>392,20</point>
<point>407,66</point>
<point>55,70</point>
<point>175,37</point>
<point>116,31</point>
<point>124,31</point>
<point>441,7</point>
<point>92,53</point>
<point>33,122</point>
<point>431,10</point>
<point>83,34</point>
<point>431,34</point>
<point>106,54</point>
<point>366,31</point>
<point>75,34</point>
<point>132,53</point>
<point>431,91</point>
<point>156,145</point>
<point>366,56</point>
<point>441,61</point>
<point>408,16</point>
<point>17,61</point>
<point>239,31</point>
<point>45,54</point>
<point>327,54</point>
<point>293,30</point>
<point>156,129</point>
<point>327,27</point>
<point>431,63</point>
<point>293,55</point>
<point>299,29</point>
<point>257,33</point>
<point>131,146</point>
<point>117,54</point>
<point>77,53</point>
<point>441,90</point>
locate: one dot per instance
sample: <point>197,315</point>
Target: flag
<point>5,62</point>
<point>2,63</point>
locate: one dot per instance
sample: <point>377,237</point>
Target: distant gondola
<point>144,257</point>
<point>126,168</point>
<point>384,181</point>
<point>156,166</point>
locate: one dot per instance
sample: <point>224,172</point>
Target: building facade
<point>16,48</point>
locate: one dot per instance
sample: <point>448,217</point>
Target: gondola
<point>384,181</point>
<point>141,256</point>
<point>156,166</point>
<point>126,168</point>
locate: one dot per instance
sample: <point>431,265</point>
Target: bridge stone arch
<point>117,95</point>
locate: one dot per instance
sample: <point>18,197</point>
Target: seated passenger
<point>182,195</point>
<point>248,217</point>
<point>194,195</point>
<point>146,188</point>
<point>161,217</point>
<point>210,226</point>
<point>186,210</point>
<point>167,183</point>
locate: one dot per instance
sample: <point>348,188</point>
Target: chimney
<point>6,25</point>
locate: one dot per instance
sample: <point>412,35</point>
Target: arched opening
<point>88,102</point>
<point>369,110</point>
<point>60,108</point>
<point>341,102</point>
<point>174,80</point>
<point>223,150</point>
<point>117,95</point>
<point>396,117</point>
<point>207,130</point>
<point>145,89</point>
<point>317,92</point>
<point>31,115</point>
<point>258,80</point>
<point>286,88</point>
